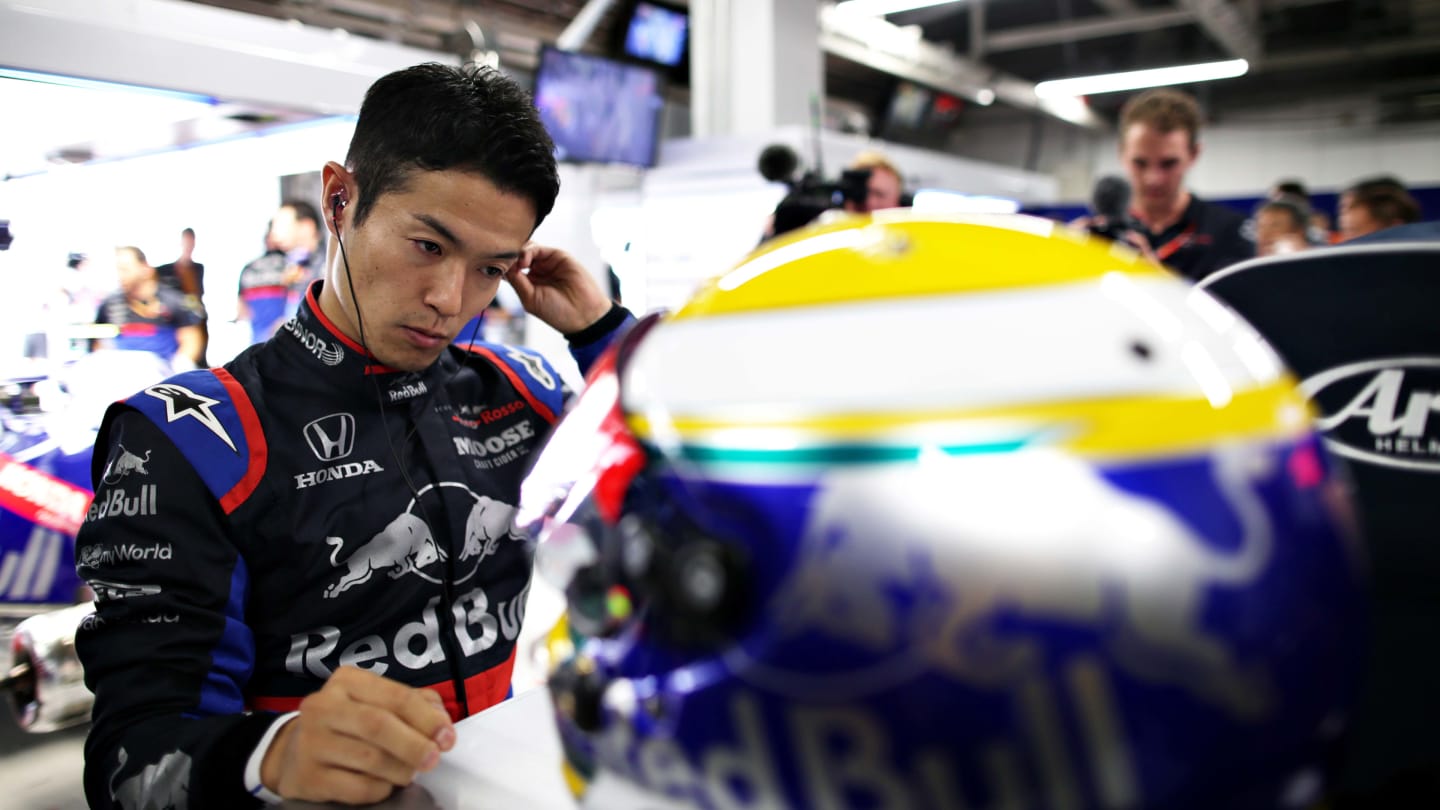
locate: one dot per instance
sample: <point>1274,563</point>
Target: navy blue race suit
<point>257,526</point>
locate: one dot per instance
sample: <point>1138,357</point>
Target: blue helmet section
<point>911,677</point>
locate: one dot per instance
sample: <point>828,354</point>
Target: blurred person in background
<point>1289,188</point>
<point>1159,143</point>
<point>1317,226</point>
<point>82,288</point>
<point>1322,228</point>
<point>264,290</point>
<point>1281,226</point>
<point>73,301</point>
<point>150,317</point>
<point>884,189</point>
<point>187,277</point>
<point>296,230</point>
<point>1375,204</point>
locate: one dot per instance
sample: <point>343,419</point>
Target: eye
<point>426,246</point>
<point>493,271</point>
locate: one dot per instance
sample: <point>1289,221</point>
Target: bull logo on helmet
<point>1034,535</point>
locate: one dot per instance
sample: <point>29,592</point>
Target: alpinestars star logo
<point>181,402</point>
<point>533,365</point>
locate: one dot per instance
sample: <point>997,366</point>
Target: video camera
<point>811,195</point>
<point>1110,207</point>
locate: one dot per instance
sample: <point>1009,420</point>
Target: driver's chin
<point>409,358</point>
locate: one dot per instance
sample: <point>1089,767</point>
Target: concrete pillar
<point>754,65</point>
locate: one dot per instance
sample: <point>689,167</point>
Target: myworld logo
<point>1379,411</point>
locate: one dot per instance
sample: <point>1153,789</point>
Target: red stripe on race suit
<point>482,691</point>
<point>254,441</point>
<point>40,497</point>
<point>520,385</point>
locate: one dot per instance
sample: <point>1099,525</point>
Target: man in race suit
<point>303,561</point>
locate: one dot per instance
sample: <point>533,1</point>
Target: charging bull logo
<point>407,546</point>
<point>124,464</point>
<point>404,546</point>
<point>1034,535</point>
<point>163,785</point>
<point>489,522</point>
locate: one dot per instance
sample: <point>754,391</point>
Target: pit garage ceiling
<point>1300,50</point>
<point>1381,57</point>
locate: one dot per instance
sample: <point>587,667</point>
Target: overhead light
<point>985,97</point>
<point>878,8</point>
<point>1136,79</point>
<point>94,84</point>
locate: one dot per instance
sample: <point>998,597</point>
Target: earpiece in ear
<point>337,201</point>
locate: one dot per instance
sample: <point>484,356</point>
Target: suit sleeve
<point>587,345</point>
<point>167,652</point>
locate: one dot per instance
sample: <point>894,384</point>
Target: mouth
<point>425,338</point>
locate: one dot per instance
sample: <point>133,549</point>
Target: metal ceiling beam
<point>1034,36</point>
<point>1118,6</point>
<point>1228,26</point>
<point>1277,5</point>
<point>1362,51</point>
<point>578,32</point>
<point>423,23</point>
<point>886,47</point>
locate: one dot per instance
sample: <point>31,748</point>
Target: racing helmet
<point>919,512</point>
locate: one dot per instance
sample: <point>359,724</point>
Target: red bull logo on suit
<point>406,546</point>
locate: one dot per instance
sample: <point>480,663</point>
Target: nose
<point>445,289</point>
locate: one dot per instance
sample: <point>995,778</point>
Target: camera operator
<point>1110,215</point>
<point>810,195</point>
<point>883,186</point>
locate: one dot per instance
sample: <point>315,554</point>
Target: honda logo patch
<point>331,437</point>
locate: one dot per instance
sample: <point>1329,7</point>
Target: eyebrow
<point>435,225</point>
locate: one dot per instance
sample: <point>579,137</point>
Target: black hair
<point>1387,200</point>
<point>1293,207</point>
<point>1292,188</point>
<point>190,232</point>
<point>435,117</point>
<point>1380,182</point>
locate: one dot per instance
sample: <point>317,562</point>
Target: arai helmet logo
<point>1379,411</point>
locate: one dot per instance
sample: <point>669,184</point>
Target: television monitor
<point>920,116</point>
<point>657,33</point>
<point>908,106</point>
<point>598,110</point>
